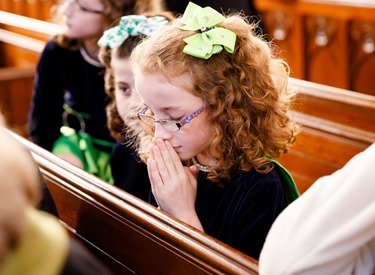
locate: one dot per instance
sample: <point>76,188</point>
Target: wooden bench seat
<point>16,85</point>
<point>336,125</point>
<point>129,235</point>
<point>333,104</point>
<point>23,39</point>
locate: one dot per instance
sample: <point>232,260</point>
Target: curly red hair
<point>246,94</point>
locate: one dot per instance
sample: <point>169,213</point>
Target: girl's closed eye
<point>166,115</point>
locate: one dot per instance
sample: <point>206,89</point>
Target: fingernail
<point>159,141</point>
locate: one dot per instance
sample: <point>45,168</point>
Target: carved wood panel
<point>325,48</point>
<point>327,42</point>
<point>284,29</point>
<point>38,9</point>
<point>362,56</point>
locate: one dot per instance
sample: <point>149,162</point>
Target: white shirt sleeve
<point>330,229</point>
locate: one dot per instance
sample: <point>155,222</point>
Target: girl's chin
<point>184,157</point>
<point>70,35</point>
<point>180,154</point>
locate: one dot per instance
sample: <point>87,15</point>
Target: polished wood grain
<point>23,38</point>
<point>16,85</point>
<point>336,125</point>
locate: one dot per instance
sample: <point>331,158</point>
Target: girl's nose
<point>161,132</point>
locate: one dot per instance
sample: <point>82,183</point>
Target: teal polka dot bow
<point>212,38</point>
<point>131,25</point>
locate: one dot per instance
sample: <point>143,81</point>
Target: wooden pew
<point>325,41</point>
<point>23,39</point>
<point>38,9</point>
<point>336,125</point>
<point>16,85</point>
<point>333,104</point>
<point>129,235</point>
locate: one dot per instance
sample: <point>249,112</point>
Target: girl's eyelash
<point>166,117</point>
<point>177,119</point>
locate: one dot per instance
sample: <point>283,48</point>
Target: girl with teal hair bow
<point>116,45</point>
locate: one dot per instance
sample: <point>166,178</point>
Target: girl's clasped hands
<point>173,184</point>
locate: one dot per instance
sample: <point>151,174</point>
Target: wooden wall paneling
<point>38,9</point>
<point>45,7</point>
<point>32,9</point>
<point>4,5</point>
<point>362,56</point>
<point>16,86</point>
<point>20,99</point>
<point>338,49</point>
<point>284,27</point>
<point>19,7</point>
<point>326,49</point>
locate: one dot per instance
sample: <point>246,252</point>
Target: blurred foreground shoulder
<point>330,229</point>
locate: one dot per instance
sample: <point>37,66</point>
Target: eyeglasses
<point>170,125</point>
<point>77,7</point>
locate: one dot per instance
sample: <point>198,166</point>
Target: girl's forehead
<point>183,81</point>
<point>117,61</point>
<point>159,85</point>
<point>161,94</point>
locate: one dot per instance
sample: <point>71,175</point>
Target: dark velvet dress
<point>64,76</point>
<point>129,173</point>
<point>241,213</point>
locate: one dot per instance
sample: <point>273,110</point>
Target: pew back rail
<point>336,125</point>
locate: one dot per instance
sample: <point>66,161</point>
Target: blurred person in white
<point>330,229</point>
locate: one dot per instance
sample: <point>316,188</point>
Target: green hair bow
<point>131,25</point>
<point>212,38</point>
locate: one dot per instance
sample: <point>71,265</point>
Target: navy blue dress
<point>129,173</point>
<point>241,213</point>
<point>64,76</point>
